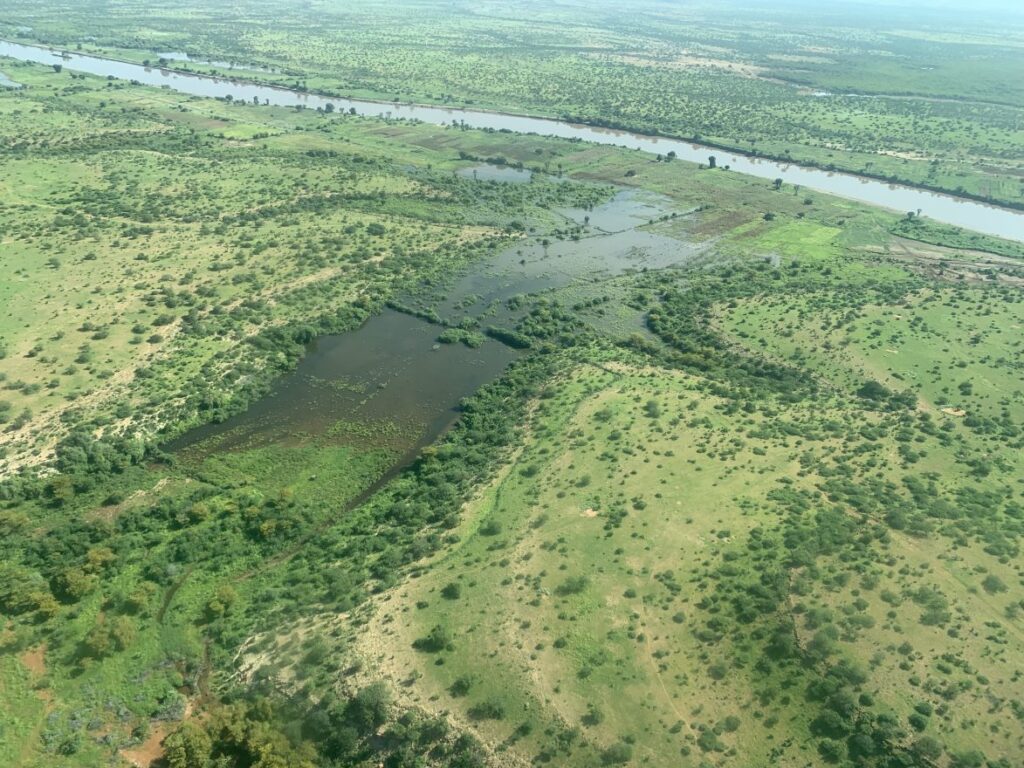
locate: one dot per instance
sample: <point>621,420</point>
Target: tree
<point>831,751</point>
<point>971,759</point>
<point>928,747</point>
<point>221,602</point>
<point>61,490</point>
<point>438,640</point>
<point>594,715</point>
<point>573,585</point>
<point>777,184</point>
<point>75,583</point>
<point>460,686</point>
<point>617,754</point>
<point>98,558</point>
<point>368,709</point>
<point>993,584</point>
<point>139,598</point>
<point>98,643</point>
<point>873,390</point>
<point>451,591</point>
<point>712,162</point>
<point>188,747</point>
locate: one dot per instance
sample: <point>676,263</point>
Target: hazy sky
<point>966,6</point>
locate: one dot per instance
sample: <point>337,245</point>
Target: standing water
<point>391,384</point>
<point>968,214</point>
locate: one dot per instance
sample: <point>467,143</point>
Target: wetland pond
<point>391,385</point>
<point>991,220</point>
<point>503,173</point>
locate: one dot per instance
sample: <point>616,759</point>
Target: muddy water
<point>388,384</point>
<point>502,173</point>
<point>991,220</point>
<point>612,244</point>
<point>391,384</point>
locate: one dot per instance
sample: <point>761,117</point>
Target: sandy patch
<point>589,513</point>
<point>790,58</point>
<point>904,155</point>
<point>34,660</point>
<point>954,411</point>
<point>688,61</point>
<point>110,513</point>
<point>149,751</point>
<point>152,749</point>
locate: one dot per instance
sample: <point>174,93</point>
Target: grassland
<point>591,569</point>
<point>144,230</point>
<point>875,93</point>
<point>161,279</point>
<point>631,584</point>
<point>763,507</point>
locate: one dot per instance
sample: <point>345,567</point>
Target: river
<point>988,219</point>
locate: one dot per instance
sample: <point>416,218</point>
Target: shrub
<point>487,710</point>
<point>617,754</point>
<point>574,585</point>
<point>437,640</point>
<point>451,591</point>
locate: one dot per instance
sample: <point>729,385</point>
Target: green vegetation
<point>716,561</point>
<point>167,264</point>
<point>743,486</point>
<point>871,89</point>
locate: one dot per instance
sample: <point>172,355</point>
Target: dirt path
<point>34,660</point>
<point>152,749</point>
<point>653,663</point>
<point>169,596</point>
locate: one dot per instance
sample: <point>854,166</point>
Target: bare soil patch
<point>34,660</point>
<point>152,749</point>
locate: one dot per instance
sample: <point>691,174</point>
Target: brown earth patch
<point>152,749</point>
<point>688,60</point>
<point>34,660</point>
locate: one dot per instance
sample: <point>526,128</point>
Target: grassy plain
<point>750,534</point>
<point>613,595</point>
<point>143,229</point>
